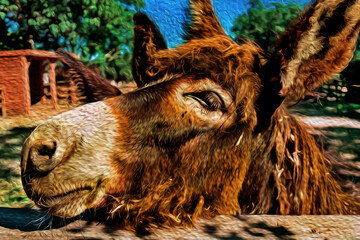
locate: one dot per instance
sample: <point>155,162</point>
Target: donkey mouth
<point>74,192</point>
<point>71,203</point>
<point>51,201</point>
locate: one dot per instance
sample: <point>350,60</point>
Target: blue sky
<point>169,15</point>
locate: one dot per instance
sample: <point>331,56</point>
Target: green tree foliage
<point>263,23</point>
<point>100,29</point>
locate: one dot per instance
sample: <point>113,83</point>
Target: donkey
<point>205,133</point>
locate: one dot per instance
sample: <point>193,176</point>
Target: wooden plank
<point>2,103</point>
<point>52,80</point>
<point>34,224</point>
<point>30,53</point>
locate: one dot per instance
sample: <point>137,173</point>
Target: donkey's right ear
<point>319,44</point>
<point>147,41</point>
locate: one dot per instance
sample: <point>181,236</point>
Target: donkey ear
<point>95,87</point>
<point>318,45</point>
<point>204,21</point>
<point>148,40</point>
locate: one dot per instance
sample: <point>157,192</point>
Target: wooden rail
<point>34,224</point>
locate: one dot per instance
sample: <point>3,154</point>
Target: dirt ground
<point>19,218</point>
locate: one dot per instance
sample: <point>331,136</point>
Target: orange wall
<point>14,79</point>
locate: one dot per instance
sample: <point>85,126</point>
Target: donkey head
<point>179,146</point>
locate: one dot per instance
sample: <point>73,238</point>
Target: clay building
<point>21,80</point>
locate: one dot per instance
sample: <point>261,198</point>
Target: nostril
<point>41,156</point>
<point>47,150</point>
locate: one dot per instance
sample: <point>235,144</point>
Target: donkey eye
<point>208,99</point>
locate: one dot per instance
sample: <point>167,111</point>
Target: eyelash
<point>210,100</point>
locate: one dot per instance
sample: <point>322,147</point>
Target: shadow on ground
<point>326,108</point>
<point>256,230</point>
<point>26,220</point>
<point>344,141</point>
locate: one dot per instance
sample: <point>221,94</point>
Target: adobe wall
<point>15,81</point>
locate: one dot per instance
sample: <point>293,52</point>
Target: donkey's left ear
<point>147,41</point>
<point>96,88</point>
<point>204,21</point>
<point>318,45</point>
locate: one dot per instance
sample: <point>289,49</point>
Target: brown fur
<point>292,174</point>
<point>205,133</point>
